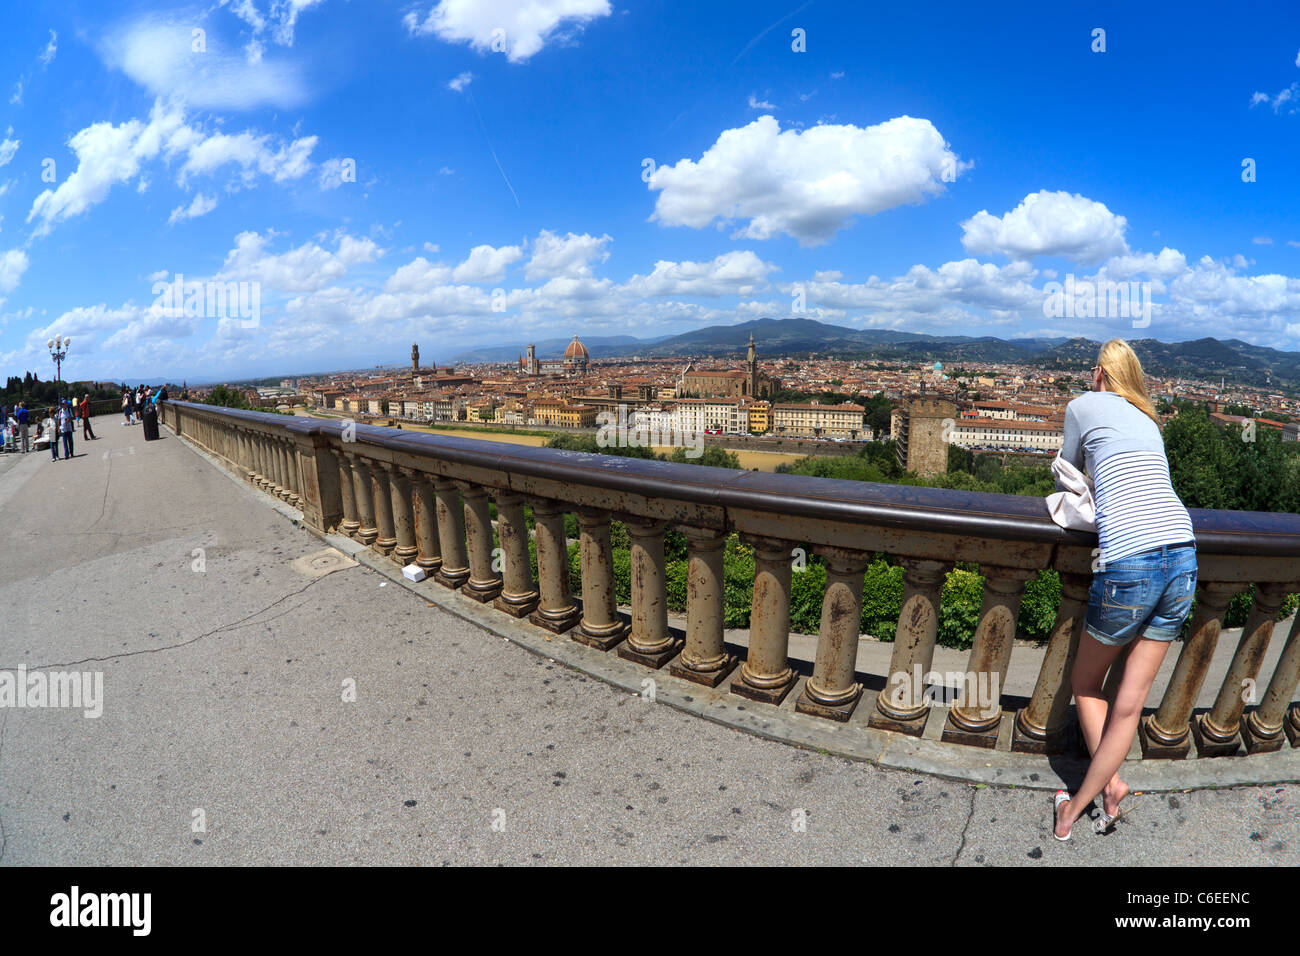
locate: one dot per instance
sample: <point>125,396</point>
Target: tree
<point>713,456</point>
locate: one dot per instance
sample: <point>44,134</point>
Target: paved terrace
<point>223,691</point>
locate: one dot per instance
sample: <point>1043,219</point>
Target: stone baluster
<point>246,461</point>
<point>976,717</point>
<point>518,595</point>
<point>368,532</point>
<point>380,475</point>
<point>277,466</point>
<point>649,642</point>
<point>600,627</point>
<point>484,584</point>
<point>262,478</point>
<point>425,513</point>
<point>902,705</point>
<point>292,485</point>
<point>766,674</point>
<point>704,659</point>
<point>832,692</point>
<point>1262,728</point>
<point>1040,728</point>
<point>403,519</point>
<point>451,535</point>
<point>556,610</point>
<point>351,523</point>
<point>1218,733</point>
<point>1167,732</point>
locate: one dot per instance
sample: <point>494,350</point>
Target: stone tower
<point>415,359</point>
<point>921,435</point>
<point>751,370</point>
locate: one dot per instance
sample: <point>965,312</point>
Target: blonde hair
<point>1123,374</point>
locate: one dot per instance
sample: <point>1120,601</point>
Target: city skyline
<point>508,181</point>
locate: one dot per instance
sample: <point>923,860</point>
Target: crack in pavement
<point>193,640</point>
<point>969,816</point>
<point>103,505</point>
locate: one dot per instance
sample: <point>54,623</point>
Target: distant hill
<point>1202,358</point>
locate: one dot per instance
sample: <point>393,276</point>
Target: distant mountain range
<point>1233,359</point>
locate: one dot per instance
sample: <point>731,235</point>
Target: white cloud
<point>17,98</point>
<point>159,56</point>
<point>108,155</point>
<point>157,276</point>
<point>1216,296</point>
<point>51,48</point>
<point>430,247</point>
<point>568,255</point>
<point>757,104</point>
<point>805,184</point>
<point>487,264</point>
<point>1166,265</point>
<point>518,29</point>
<point>202,205</point>
<point>1048,224</point>
<point>13,263</point>
<point>1288,99</point>
<point>336,171</point>
<point>419,275</point>
<point>1263,240</point>
<point>7,149</point>
<point>461,81</point>
<point>305,268</point>
<point>740,272</point>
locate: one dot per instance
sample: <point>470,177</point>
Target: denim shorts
<point>1149,593</point>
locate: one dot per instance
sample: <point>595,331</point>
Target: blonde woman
<point>1146,571</point>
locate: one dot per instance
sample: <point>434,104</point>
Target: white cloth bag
<point>1074,507</point>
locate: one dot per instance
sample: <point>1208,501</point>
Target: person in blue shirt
<point>23,417</point>
<point>65,427</point>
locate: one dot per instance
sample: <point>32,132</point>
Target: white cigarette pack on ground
<point>413,572</point>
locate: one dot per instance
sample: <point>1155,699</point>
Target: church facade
<point>727,383</point>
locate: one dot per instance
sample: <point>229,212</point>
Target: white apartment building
<point>1029,436</point>
<point>846,421</point>
<point>728,415</point>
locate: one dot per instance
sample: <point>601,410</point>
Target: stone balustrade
<point>424,499</point>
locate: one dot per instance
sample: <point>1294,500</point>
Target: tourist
<point>23,417</point>
<point>65,427</point>
<point>87,432</point>
<point>126,407</point>
<point>1146,578</point>
<point>51,428</point>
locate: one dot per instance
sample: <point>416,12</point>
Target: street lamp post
<point>58,347</point>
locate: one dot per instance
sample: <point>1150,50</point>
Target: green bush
<point>806,590</point>
<point>959,609</point>
<point>738,582</point>
<point>882,599</point>
<point>1039,606</point>
<point>675,585</point>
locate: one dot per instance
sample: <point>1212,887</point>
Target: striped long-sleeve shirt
<point>1137,508</point>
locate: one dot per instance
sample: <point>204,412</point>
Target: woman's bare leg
<point>1098,670</point>
<point>1119,725</point>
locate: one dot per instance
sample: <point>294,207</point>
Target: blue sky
<point>464,173</point>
